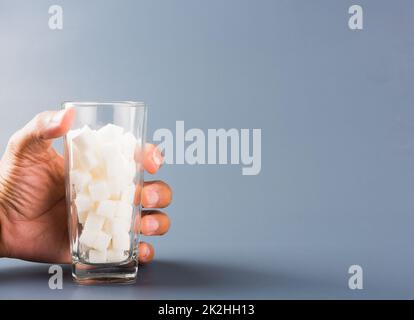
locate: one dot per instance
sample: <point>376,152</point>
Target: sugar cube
<point>115,186</point>
<point>129,144</point>
<point>98,172</point>
<point>72,134</point>
<point>99,191</point>
<point>83,202</point>
<point>102,241</point>
<point>96,256</point>
<point>121,225</point>
<point>85,139</point>
<point>80,179</point>
<point>94,222</point>
<point>124,210</point>
<point>75,158</point>
<point>107,227</point>
<point>89,160</point>
<point>82,216</point>
<point>110,132</point>
<point>131,170</point>
<point>121,241</point>
<point>128,194</point>
<point>116,225</point>
<point>110,149</point>
<point>107,208</point>
<point>87,237</point>
<point>115,165</point>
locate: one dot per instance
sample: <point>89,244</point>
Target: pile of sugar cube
<point>102,179</point>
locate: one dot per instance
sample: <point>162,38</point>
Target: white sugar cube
<point>107,227</point>
<point>96,256</point>
<point>131,171</point>
<point>116,256</point>
<point>99,191</point>
<point>88,160</point>
<point>120,225</point>
<point>99,172</point>
<point>128,194</point>
<point>85,139</point>
<point>83,202</point>
<point>124,211</point>
<point>72,134</point>
<point>111,155</point>
<point>115,165</point>
<point>116,225</point>
<point>115,186</point>
<point>84,160</point>
<point>107,208</point>
<point>102,241</point>
<point>129,144</point>
<point>88,237</point>
<point>121,241</point>
<point>82,216</point>
<point>110,149</point>
<point>80,179</point>
<point>110,132</point>
<point>75,159</point>
<point>94,222</point>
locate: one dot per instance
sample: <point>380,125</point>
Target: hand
<point>33,215</point>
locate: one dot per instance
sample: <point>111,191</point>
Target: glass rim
<point>97,104</point>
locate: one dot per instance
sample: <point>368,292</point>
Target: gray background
<point>336,112</point>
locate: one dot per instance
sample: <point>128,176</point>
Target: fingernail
<point>57,117</point>
<point>145,251</point>
<point>157,157</point>
<point>152,198</point>
<point>151,224</point>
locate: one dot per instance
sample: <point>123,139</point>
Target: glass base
<point>92,274</point>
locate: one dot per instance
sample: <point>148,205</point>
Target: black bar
<point>213,309</point>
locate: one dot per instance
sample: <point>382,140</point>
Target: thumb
<point>42,129</point>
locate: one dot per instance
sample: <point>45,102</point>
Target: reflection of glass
<point>103,171</point>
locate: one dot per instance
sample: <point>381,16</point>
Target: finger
<point>145,252</point>
<point>42,128</point>
<point>153,223</point>
<point>156,194</point>
<point>59,124</point>
<point>153,158</point>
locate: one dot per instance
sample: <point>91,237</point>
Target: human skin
<point>33,215</point>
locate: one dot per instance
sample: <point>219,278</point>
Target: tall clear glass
<point>104,176</point>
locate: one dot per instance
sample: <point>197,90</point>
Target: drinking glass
<point>104,175</point>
